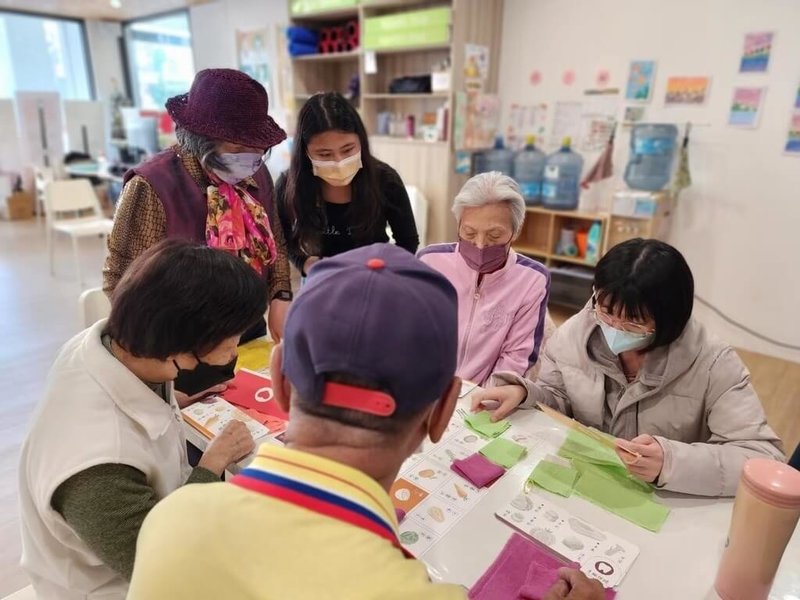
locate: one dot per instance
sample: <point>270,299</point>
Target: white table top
<point>91,170</point>
<point>678,563</point>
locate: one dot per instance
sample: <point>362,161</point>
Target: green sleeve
<point>106,506</point>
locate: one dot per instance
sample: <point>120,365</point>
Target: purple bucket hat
<point>227,105</point>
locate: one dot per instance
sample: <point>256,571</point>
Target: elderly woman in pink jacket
<point>635,363</point>
<point>502,296</point>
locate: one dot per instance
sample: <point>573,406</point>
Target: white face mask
<point>240,165</point>
<point>624,341</point>
<point>337,174</point>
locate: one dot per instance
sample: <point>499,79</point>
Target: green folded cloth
<point>555,478</point>
<point>503,452</point>
<point>620,475</point>
<point>623,498</point>
<point>480,423</point>
<point>582,447</point>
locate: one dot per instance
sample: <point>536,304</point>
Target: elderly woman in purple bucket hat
<point>213,188</point>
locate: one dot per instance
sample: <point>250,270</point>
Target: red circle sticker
<point>568,77</point>
<point>536,77</point>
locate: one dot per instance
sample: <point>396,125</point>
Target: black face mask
<point>203,376</point>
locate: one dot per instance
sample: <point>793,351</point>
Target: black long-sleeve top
<point>336,238</point>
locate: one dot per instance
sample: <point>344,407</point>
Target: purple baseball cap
<point>376,313</point>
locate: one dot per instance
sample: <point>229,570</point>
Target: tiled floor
<point>39,313</point>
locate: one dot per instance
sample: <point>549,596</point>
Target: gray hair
<point>485,188</point>
<point>201,147</point>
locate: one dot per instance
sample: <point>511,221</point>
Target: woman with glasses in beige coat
<point>635,364</point>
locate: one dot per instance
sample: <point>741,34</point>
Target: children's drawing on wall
<point>746,106</point>
<point>525,120</point>
<point>793,135</point>
<point>477,119</point>
<point>252,52</point>
<point>757,49</point>
<point>476,66</point>
<point>687,90</point>
<point>641,78</point>
<point>633,114</point>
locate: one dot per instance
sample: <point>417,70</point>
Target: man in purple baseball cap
<point>367,373</point>
<point>211,188</point>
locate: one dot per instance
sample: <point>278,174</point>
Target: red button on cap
<point>376,263</point>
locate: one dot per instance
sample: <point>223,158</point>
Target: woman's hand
<point>648,467</point>
<point>574,585</point>
<point>276,318</point>
<point>230,446</point>
<point>183,400</point>
<point>507,397</point>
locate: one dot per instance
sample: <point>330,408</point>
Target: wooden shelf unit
<point>542,230</point>
<point>331,57</point>
<point>430,166</point>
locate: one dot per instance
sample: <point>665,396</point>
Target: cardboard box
<point>17,206</point>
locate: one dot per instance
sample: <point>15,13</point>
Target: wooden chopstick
<point>589,432</point>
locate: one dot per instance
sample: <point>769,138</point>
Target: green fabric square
<point>503,452</point>
<point>481,423</point>
<point>623,498</point>
<point>555,478</point>
<point>582,447</point>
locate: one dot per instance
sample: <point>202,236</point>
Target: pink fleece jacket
<point>500,318</point>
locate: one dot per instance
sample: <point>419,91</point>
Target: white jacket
<point>94,411</point>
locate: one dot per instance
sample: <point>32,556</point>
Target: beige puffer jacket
<point>694,396</point>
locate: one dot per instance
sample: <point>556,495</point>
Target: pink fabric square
<point>522,571</point>
<point>478,470</point>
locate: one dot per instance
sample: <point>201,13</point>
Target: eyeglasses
<point>629,326</point>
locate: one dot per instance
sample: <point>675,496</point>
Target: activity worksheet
<point>601,555</point>
<point>433,497</point>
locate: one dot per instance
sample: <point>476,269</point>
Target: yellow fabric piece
<point>255,355</point>
<point>217,541</point>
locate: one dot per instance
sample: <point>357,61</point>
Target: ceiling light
<point>115,3</point>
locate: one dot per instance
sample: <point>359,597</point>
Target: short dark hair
<point>647,278</point>
<point>179,296</point>
<point>354,418</point>
<point>201,147</point>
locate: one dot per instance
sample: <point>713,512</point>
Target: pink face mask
<point>483,260</point>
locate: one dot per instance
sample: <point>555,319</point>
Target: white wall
<point>738,225</point>
<point>214,26</point>
<point>106,60</point>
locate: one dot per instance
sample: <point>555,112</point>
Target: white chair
<point>65,203</point>
<point>419,206</point>
<point>93,305</point>
<point>42,177</point>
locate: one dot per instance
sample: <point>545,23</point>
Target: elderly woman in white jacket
<point>106,443</point>
<point>635,364</point>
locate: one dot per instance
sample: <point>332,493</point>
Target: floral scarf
<point>237,223</point>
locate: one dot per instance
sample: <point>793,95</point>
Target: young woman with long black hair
<point>336,196</point>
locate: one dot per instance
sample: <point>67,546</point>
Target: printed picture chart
<point>433,496</point>
<point>601,555</point>
<point>210,417</point>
